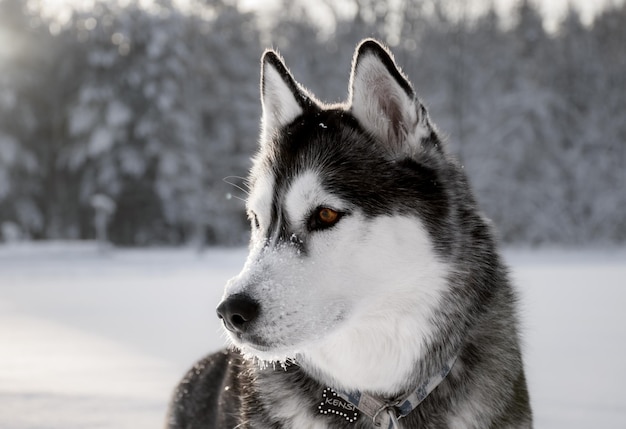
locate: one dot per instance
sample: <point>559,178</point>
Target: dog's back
<point>208,396</point>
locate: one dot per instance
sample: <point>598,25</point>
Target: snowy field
<point>91,340</point>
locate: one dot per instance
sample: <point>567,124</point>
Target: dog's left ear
<point>282,98</point>
<point>383,100</point>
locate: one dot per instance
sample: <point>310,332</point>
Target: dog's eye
<point>327,215</point>
<point>324,217</point>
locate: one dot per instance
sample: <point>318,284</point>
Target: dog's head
<point>348,212</point>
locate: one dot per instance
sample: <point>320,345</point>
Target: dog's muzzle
<point>238,312</point>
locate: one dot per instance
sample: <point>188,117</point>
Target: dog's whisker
<point>227,178</point>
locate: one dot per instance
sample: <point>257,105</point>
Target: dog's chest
<point>297,412</point>
<point>313,409</point>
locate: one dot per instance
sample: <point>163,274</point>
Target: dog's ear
<point>282,98</point>
<point>383,100</point>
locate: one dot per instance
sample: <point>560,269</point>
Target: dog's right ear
<point>282,99</point>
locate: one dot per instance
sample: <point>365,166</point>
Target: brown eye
<point>323,217</point>
<point>327,216</point>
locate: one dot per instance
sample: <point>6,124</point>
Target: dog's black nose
<point>238,312</point>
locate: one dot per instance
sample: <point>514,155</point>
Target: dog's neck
<point>384,412</point>
<point>297,396</point>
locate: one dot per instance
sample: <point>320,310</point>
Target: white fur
<point>305,194</point>
<point>395,283</point>
<point>260,200</point>
<point>356,308</point>
<point>294,410</point>
<point>280,106</point>
<point>466,415</point>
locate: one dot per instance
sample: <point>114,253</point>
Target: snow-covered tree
<point>156,108</point>
<point>161,136</point>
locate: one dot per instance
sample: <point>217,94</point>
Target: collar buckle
<point>392,413</point>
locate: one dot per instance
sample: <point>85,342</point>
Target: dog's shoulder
<point>209,395</point>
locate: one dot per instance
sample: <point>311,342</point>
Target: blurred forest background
<point>145,113</point>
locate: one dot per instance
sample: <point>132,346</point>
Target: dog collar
<point>385,413</point>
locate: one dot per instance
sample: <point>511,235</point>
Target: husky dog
<point>373,295</point>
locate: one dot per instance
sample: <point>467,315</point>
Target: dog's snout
<point>238,312</point>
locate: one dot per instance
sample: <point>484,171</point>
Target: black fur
<point>477,321</point>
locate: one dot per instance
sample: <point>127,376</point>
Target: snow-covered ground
<point>91,340</point>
